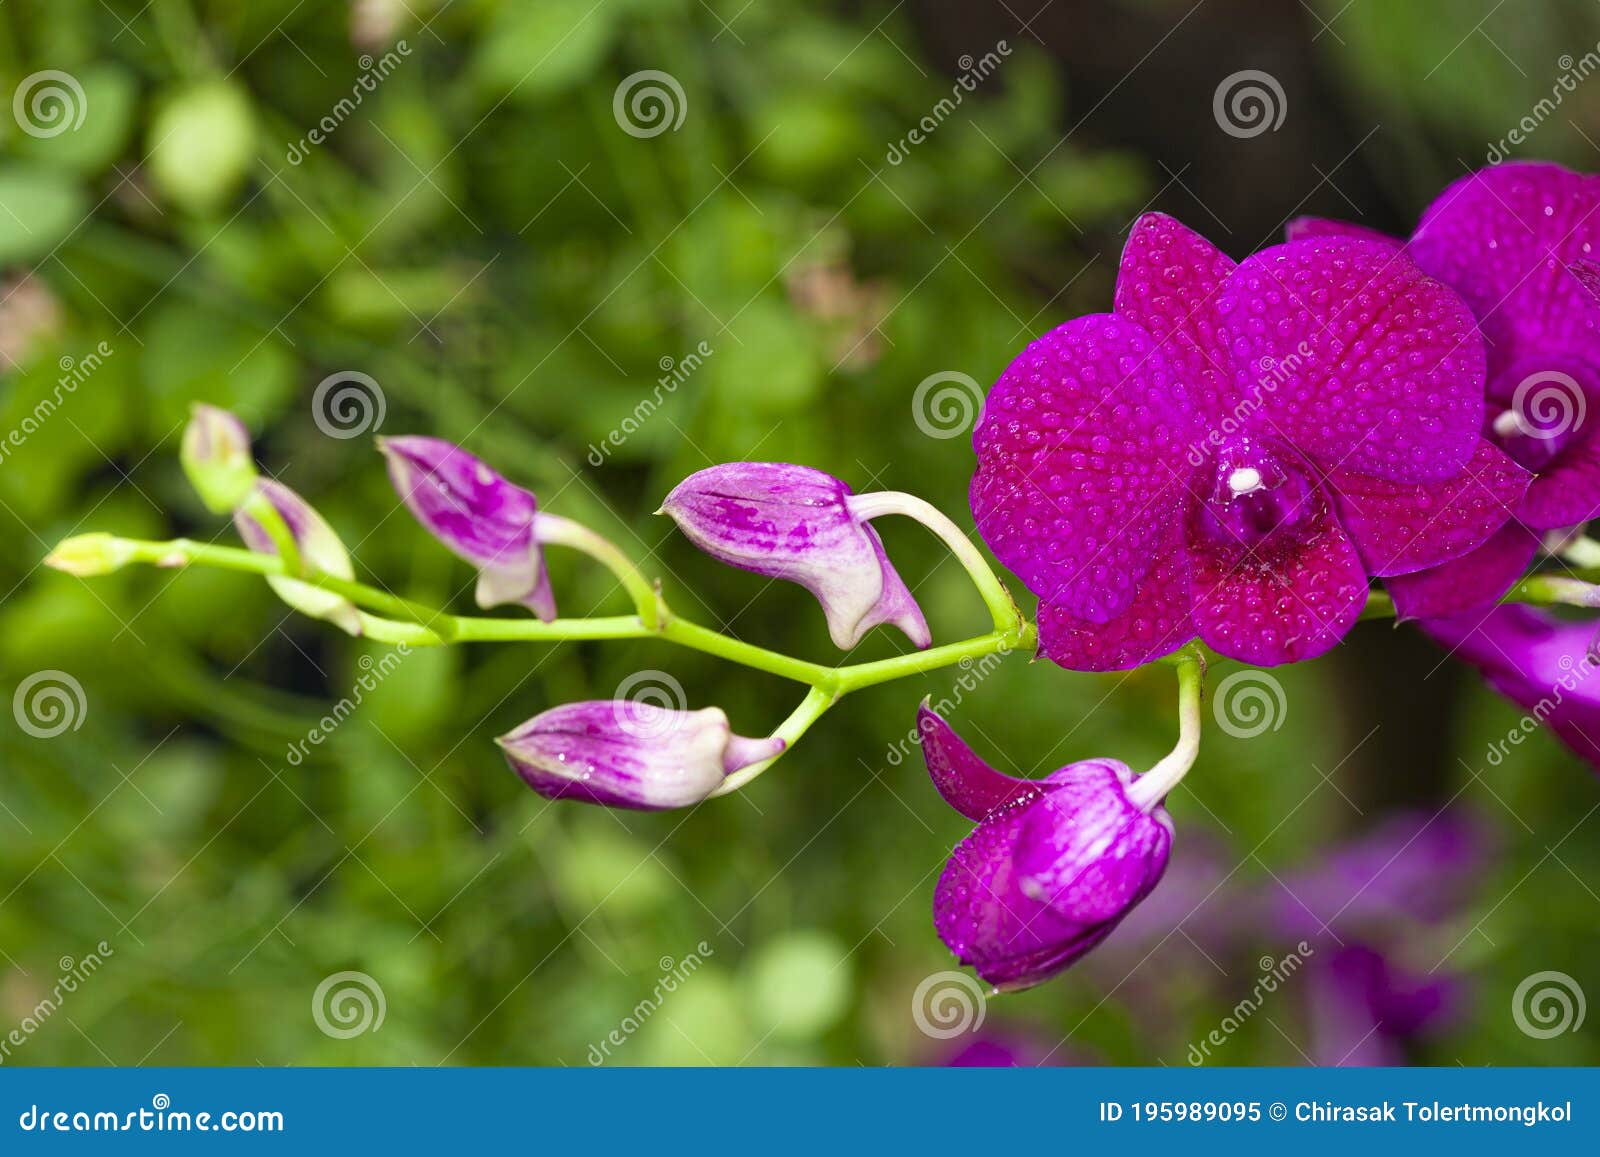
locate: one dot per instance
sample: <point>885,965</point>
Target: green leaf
<point>39,207</point>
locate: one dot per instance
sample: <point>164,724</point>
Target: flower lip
<point>1258,491</point>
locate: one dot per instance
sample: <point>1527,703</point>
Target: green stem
<point>812,708</point>
<point>1154,785</point>
<point>553,529</point>
<point>993,591</point>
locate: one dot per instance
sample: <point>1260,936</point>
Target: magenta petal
<point>1156,623</point>
<point>1168,283</point>
<point>1378,368</point>
<point>1503,237</point>
<point>966,782</point>
<point>1079,451</point>
<point>1542,664</point>
<point>480,516</point>
<point>1036,886</point>
<point>1289,597</point>
<point>1567,491</point>
<point>795,523</point>
<point>1473,582</point>
<point>1085,850</point>
<point>1399,527</point>
<point>1307,228</point>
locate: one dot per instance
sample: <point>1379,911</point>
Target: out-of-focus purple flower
<point>483,519</point>
<point>216,458</point>
<point>627,754</point>
<point>1518,242</point>
<point>1052,867</point>
<point>318,545</point>
<point>1363,1006</point>
<point>799,524</point>
<point>1011,1048</point>
<point>1236,448</point>
<point>1546,666</point>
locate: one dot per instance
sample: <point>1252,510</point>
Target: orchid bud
<point>318,545</point>
<point>622,753</point>
<point>799,524</point>
<point>482,518</point>
<point>216,456</point>
<point>89,555</point>
<point>1052,867</point>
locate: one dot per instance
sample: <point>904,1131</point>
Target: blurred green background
<point>480,236</point>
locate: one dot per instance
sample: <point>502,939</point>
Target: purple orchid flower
<point>1053,865</point>
<point>1518,242</point>
<point>1543,664</point>
<point>317,544</point>
<point>800,524</point>
<point>1236,448</point>
<point>627,754</point>
<point>483,519</point>
<point>1364,1006</point>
